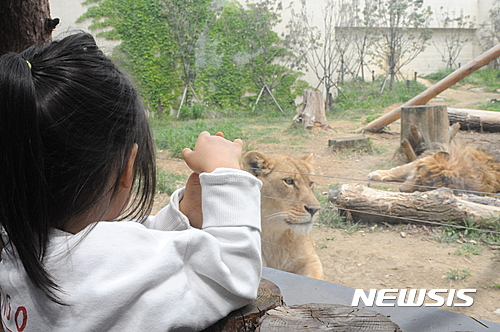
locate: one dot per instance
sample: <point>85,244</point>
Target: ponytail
<point>23,189</point>
<point>68,121</point>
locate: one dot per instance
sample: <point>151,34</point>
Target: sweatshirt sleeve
<point>170,218</point>
<point>231,215</point>
<point>223,260</point>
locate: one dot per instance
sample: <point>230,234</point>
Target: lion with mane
<point>288,210</point>
<point>455,166</point>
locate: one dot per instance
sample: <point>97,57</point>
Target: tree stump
<point>325,317</point>
<point>246,318</point>
<point>424,127</point>
<point>312,112</point>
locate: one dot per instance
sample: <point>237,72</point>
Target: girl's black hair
<point>68,121</point>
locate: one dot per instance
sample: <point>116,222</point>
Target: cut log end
<point>325,317</point>
<point>246,319</point>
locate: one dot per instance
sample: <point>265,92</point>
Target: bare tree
<point>455,36</point>
<point>402,27</point>
<point>345,36</point>
<point>322,48</point>
<point>364,38</point>
<point>25,23</point>
<point>489,32</point>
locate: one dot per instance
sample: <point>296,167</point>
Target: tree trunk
<point>422,128</point>
<point>312,113</point>
<point>325,317</point>
<point>24,23</point>
<point>477,120</point>
<point>362,203</point>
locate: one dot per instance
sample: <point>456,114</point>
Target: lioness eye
<point>311,184</point>
<point>288,181</point>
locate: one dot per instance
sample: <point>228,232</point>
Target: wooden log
<point>440,205</point>
<point>481,199</point>
<point>477,120</point>
<point>423,97</point>
<point>358,143</point>
<point>325,317</point>
<point>312,112</point>
<point>246,319</point>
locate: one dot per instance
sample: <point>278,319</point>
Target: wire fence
<point>378,216</point>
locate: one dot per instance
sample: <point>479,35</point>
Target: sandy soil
<point>402,256</point>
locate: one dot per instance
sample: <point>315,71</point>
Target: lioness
<point>455,166</point>
<point>288,210</point>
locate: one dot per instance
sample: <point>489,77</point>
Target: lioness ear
<point>442,156</point>
<point>308,159</point>
<point>256,163</point>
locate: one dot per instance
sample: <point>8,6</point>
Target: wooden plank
<point>361,143</point>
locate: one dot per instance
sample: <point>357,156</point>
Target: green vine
<point>146,51</point>
<point>226,55</point>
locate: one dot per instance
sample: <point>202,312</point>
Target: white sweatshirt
<point>162,275</point>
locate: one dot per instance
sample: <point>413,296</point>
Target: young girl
<point>76,174</point>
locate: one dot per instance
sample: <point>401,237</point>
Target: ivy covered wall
<point>235,52</point>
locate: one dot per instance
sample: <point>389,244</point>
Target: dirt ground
<point>402,256</point>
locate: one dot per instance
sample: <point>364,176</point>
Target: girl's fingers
<point>239,141</point>
<point>186,152</point>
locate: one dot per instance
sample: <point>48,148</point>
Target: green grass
<point>269,140</point>
<point>366,100</point>
<point>468,249</point>
<point>173,135</point>
<point>457,275</point>
<point>473,232</point>
<point>495,107</point>
<point>167,182</point>
<point>330,217</point>
<point>177,135</point>
<point>486,78</point>
<point>439,75</point>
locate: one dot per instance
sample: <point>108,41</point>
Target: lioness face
<point>287,197</point>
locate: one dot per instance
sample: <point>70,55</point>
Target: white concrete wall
<point>429,61</point>
<point>68,11</point>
